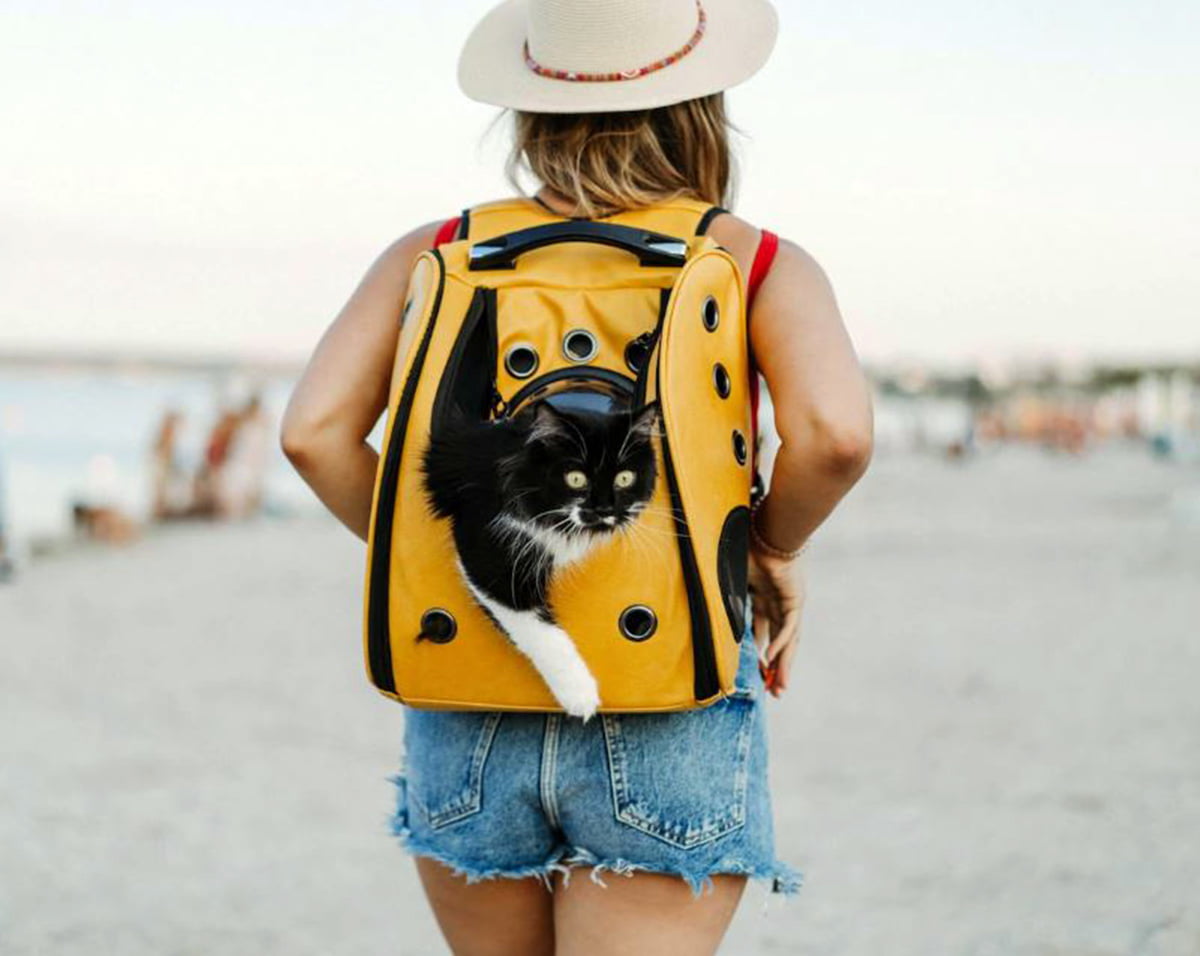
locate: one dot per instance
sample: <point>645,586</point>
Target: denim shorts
<point>518,794</point>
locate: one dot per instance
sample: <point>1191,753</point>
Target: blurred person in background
<point>239,483</point>
<point>206,483</point>
<point>6,561</point>
<point>171,490</point>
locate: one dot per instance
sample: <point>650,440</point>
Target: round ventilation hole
<point>579,345</point>
<point>710,314</point>
<point>438,625</point>
<point>739,447</point>
<point>721,380</point>
<point>638,622</point>
<point>635,355</point>
<point>521,360</point>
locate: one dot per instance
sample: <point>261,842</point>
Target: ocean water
<point>73,435</point>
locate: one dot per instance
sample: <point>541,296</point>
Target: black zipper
<point>704,659</point>
<point>379,648</point>
<point>704,662</point>
<point>650,338</point>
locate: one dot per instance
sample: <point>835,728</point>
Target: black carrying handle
<point>651,248</point>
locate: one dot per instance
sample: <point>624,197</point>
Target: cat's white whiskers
<point>656,510</point>
<point>631,534</point>
<point>652,529</point>
<point>651,548</point>
<point>528,548</point>
<point>557,509</point>
<point>512,530</point>
<point>562,548</point>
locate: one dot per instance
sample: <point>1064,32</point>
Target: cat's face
<point>582,473</point>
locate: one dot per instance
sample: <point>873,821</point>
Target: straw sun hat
<point>592,56</point>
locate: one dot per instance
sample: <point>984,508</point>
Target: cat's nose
<point>604,514</point>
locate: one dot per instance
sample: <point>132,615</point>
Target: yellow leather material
<point>701,424</point>
<point>411,555</point>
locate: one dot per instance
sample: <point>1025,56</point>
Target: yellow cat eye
<point>624,479</point>
<point>576,479</point>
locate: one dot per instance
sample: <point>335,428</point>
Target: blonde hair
<point>608,162</point>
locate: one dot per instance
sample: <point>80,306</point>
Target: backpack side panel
<point>704,392</point>
<point>425,288</point>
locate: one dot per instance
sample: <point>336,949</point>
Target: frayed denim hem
<point>400,830</point>
<point>779,877</point>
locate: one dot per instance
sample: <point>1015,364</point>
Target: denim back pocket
<point>682,776</point>
<point>446,753</point>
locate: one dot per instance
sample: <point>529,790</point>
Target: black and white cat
<point>529,495</point>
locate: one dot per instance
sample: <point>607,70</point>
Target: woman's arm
<point>823,416</point>
<point>344,388</point>
<point>820,394</point>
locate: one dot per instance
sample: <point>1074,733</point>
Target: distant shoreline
<point>1015,370</point>
<point>133,362</point>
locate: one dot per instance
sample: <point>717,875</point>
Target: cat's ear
<point>644,424</point>
<point>546,424</point>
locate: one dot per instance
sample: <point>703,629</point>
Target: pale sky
<point>979,180</point>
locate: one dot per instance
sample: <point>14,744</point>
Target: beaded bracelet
<point>765,546</point>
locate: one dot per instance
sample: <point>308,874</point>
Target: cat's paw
<point>580,698</point>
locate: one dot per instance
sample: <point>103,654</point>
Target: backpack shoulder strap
<point>710,214</point>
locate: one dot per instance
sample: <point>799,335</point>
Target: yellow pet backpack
<point>526,308</point>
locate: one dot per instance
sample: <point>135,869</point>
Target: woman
<point>617,104</point>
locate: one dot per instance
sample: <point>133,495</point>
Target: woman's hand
<point>778,590</point>
<point>821,403</point>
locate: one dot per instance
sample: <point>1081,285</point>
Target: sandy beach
<point>992,744</point>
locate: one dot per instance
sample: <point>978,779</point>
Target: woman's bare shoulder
<point>741,238</point>
<point>400,252</point>
<point>738,236</point>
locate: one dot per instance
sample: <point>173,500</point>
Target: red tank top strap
<point>768,245</point>
<point>447,231</point>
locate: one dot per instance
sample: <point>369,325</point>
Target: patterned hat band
<point>575,76</point>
